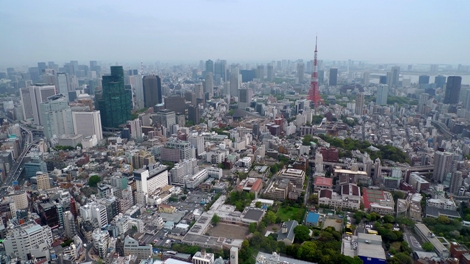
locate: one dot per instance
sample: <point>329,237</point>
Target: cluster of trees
<point>400,100</point>
<point>220,131</point>
<point>65,148</point>
<point>240,199</point>
<point>307,139</point>
<point>316,119</point>
<point>350,122</point>
<point>325,249</point>
<point>283,160</point>
<point>93,180</point>
<point>385,151</point>
<point>193,249</point>
<point>448,228</point>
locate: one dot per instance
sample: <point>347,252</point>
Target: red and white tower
<point>314,92</point>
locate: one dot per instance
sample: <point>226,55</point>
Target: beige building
<point>43,181</point>
<point>297,177</point>
<point>21,199</point>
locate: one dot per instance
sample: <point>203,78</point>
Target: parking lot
<point>229,231</point>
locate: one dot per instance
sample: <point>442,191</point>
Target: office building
<point>197,142</point>
<point>194,114</point>
<point>88,124</point>
<point>359,104</point>
<point>43,181</point>
<point>176,103</point>
<point>184,148</point>
<point>95,213</point>
<point>114,101</point>
<point>456,182</point>
<point>28,238</point>
<point>34,165</point>
<point>56,117</point>
<point>132,247</point>
<point>39,94</point>
<point>209,85</point>
<point>152,86</point>
<point>248,75</point>
<point>333,78</point>
<point>136,82</point>
<point>423,79</point>
<point>366,78</point>
<point>220,71</point>
<point>63,84</point>
<point>452,91</point>
<point>423,103</point>
<point>260,72</point>
<point>270,73</point>
<point>442,165</point>
<point>26,104</point>
<point>382,94</point>
<point>142,158</point>
<point>151,178</point>
<point>440,81</point>
<point>244,98</point>
<point>209,66</point>
<point>165,117</point>
<point>394,74</point>
<point>300,72</point>
<point>235,81</point>
<point>69,225</point>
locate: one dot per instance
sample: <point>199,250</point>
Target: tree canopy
<point>215,219</point>
<point>93,180</point>
<point>302,233</point>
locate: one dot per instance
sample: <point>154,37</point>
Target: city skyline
<point>234,30</point>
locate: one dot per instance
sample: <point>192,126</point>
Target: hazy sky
<point>251,30</point>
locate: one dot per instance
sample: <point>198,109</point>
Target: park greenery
<point>93,180</point>
<point>240,199</point>
<point>283,160</point>
<point>448,228</point>
<point>385,151</point>
<point>215,219</point>
<point>64,148</point>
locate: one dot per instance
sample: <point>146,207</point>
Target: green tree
<point>401,258</point>
<point>215,219</point>
<point>443,219</point>
<point>270,217</point>
<point>252,227</point>
<point>302,233</point>
<point>388,219</point>
<point>258,204</point>
<point>93,180</point>
<point>427,246</point>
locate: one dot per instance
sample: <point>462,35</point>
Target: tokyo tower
<point>314,92</point>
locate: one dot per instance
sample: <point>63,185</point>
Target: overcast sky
<point>251,30</point>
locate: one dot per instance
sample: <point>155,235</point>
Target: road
<point>412,241</point>
<point>17,166</point>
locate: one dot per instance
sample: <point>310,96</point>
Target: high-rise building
<point>434,68</point>
<point>209,66</point>
<point>442,165</point>
<point>366,78</point>
<point>39,94</point>
<point>452,91</point>
<point>114,101</point>
<point>423,79</point>
<point>136,82</point>
<point>197,142</point>
<point>244,97</point>
<point>132,247</point>
<point>194,114</point>
<point>209,84</point>
<point>382,94</point>
<point>395,74</point>
<point>456,182</point>
<point>333,79</point>
<point>63,84</point>
<point>220,71</point>
<point>270,75</point>
<point>383,79</point>
<point>152,90</point>
<point>440,81</point>
<point>176,103</point>
<point>300,72</point>
<point>260,72</point>
<point>235,80</point>
<point>69,225</point>
<point>28,238</point>
<point>88,124</point>
<point>43,182</point>
<point>56,117</point>
<point>359,104</point>
<point>26,105</point>
<point>422,104</point>
<point>165,117</point>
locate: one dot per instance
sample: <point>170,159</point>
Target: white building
<point>183,168</point>
<point>56,117</point>
<point>193,181</point>
<point>69,225</point>
<point>96,213</point>
<point>37,94</point>
<point>202,257</point>
<point>198,143</point>
<point>88,124</point>
<point>100,242</point>
<point>63,84</point>
<point>28,238</point>
<point>132,247</point>
<point>215,172</point>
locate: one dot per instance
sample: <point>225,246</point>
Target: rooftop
<point>323,181</point>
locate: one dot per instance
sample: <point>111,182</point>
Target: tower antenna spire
<point>314,92</point>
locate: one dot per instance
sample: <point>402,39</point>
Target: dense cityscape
<point>234,132</point>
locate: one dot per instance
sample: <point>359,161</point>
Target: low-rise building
<point>427,236</point>
<point>350,197</point>
<point>297,177</point>
<point>132,247</point>
<point>286,233</point>
<point>378,201</point>
<point>321,183</point>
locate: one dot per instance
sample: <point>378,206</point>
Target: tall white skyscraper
<point>138,89</point>
<point>395,74</point>
<point>88,124</point>
<point>39,94</point>
<point>382,94</point>
<point>26,105</point>
<point>63,84</point>
<point>366,78</point>
<point>56,117</point>
<point>300,72</point>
